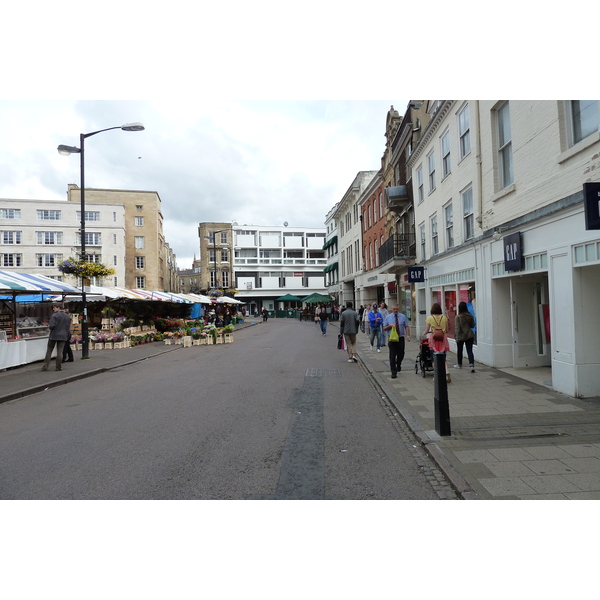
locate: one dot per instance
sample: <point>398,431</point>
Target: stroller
<point>424,358</point>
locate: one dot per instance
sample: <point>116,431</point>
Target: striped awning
<point>24,283</point>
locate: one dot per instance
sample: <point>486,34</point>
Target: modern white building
<point>36,235</point>
<point>500,220</point>
<point>270,262</point>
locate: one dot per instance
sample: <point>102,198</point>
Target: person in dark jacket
<point>60,332</point>
<point>463,334</point>
<point>349,327</point>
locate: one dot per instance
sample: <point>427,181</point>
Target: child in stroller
<point>424,358</point>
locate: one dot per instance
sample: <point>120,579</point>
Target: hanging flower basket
<point>215,293</point>
<point>84,268</point>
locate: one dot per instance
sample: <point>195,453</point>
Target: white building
<point>347,215</point>
<point>332,270</point>
<point>36,235</point>
<point>499,211</point>
<point>270,262</point>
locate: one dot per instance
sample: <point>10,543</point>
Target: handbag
<point>394,337</point>
<point>340,343</point>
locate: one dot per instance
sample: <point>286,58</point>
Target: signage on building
<point>513,252</point>
<point>416,274</point>
<point>374,278</point>
<point>591,203</point>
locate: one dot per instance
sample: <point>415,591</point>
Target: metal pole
<point>441,404</point>
<point>85,346</point>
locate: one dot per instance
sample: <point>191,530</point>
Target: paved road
<point>278,414</point>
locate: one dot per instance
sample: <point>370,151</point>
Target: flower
<point>215,293</point>
<point>84,268</point>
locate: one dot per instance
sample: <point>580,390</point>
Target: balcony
<point>398,252</point>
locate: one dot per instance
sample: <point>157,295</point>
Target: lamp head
<point>132,127</point>
<point>66,150</point>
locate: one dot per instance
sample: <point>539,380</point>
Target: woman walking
<point>439,346</point>
<point>464,336</point>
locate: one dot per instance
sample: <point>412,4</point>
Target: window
<point>140,283</point>
<point>435,247</point>
<point>464,132</point>
<point>139,221</point>
<point>50,238</point>
<point>505,164</point>
<point>213,279</point>
<point>48,215</point>
<point>212,255</point>
<point>114,238</point>
<point>10,213</point>
<point>225,255</point>
<point>381,203</point>
<point>448,217</point>
<point>584,119</point>
<point>223,237</point>
<point>139,242</point>
<point>370,208</point>
<point>91,215</point>
<point>364,222</point>
<point>468,221</point>
<point>139,207</point>
<point>446,154</point>
<point>114,259</point>
<point>431,169</point>
<point>95,258</point>
<point>376,254</point>
<point>47,260</point>
<point>11,260</point>
<point>91,238</point>
<point>422,240</point>
<point>374,211</point>
<point>10,237</point>
<point>420,194</point>
<point>140,262</point>
<point>225,279</point>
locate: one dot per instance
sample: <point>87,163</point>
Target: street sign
<point>416,274</point>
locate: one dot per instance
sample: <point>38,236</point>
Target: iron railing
<point>400,246</point>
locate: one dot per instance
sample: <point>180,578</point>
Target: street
<point>278,414</point>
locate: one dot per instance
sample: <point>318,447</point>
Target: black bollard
<point>440,386</point>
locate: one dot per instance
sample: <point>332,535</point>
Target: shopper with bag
<point>349,328</point>
<point>464,336</point>
<point>397,327</point>
<point>437,325</point>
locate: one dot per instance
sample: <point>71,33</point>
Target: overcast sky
<point>252,162</point>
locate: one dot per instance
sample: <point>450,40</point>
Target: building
<point>149,262</point>
<point>36,235</point>
<point>216,266</point>
<point>332,270</point>
<point>190,279</point>
<point>271,261</point>
<point>347,215</point>
<point>501,224</point>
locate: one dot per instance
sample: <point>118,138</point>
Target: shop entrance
<point>530,321</point>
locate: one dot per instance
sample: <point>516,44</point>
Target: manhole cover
<point>323,373</point>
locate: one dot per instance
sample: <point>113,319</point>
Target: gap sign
<point>591,203</point>
<point>513,252</point>
<point>416,274</point>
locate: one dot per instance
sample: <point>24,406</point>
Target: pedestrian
<point>364,323</point>
<point>437,319</point>
<point>323,320</point>
<point>349,327</point>
<point>60,332</point>
<point>464,336</point>
<point>384,313</point>
<point>265,314</point>
<point>398,327</point>
<point>375,322</point>
<point>67,355</point>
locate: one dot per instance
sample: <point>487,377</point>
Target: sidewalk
<point>511,439</point>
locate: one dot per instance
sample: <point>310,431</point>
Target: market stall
<point>25,309</point>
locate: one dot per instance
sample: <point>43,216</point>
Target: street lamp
<point>65,151</point>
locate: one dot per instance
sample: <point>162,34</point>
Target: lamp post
<point>65,151</point>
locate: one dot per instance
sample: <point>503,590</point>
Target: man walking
<point>397,325</point>
<point>323,320</point>
<point>375,323</point>
<point>349,327</point>
<point>60,332</point>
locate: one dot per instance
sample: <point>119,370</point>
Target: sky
<point>254,162</point>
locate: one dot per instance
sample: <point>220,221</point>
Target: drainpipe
<point>479,217</point>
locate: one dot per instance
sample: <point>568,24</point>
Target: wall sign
<point>591,203</point>
<point>513,252</point>
<point>416,274</point>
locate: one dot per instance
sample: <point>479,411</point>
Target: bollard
<point>440,386</point>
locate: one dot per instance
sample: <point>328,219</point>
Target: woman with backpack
<point>437,326</point>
